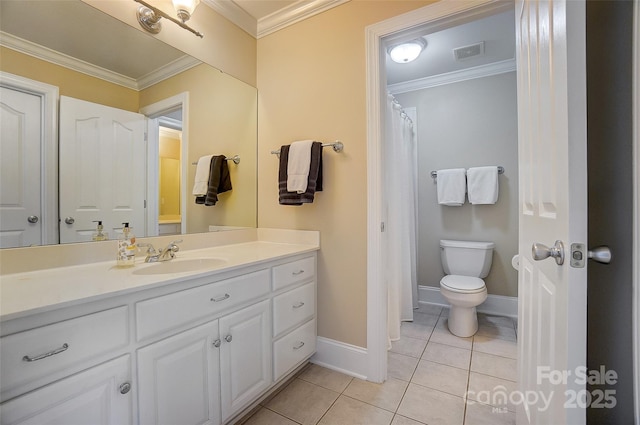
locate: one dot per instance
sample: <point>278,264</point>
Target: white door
<point>102,169</point>
<point>245,357</point>
<point>20,168</point>
<point>553,206</point>
<point>99,396</point>
<point>178,379</point>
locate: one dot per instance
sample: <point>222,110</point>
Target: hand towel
<point>482,183</point>
<point>219,181</point>
<point>451,187</point>
<point>201,180</point>
<point>314,181</point>
<point>298,166</point>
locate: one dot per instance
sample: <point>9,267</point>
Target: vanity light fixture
<point>149,16</point>
<point>408,51</point>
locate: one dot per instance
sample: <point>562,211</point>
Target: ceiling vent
<point>468,52</point>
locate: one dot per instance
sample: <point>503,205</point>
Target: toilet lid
<point>463,283</point>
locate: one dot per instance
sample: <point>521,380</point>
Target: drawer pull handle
<point>228,338</point>
<point>299,272</point>
<point>221,298</point>
<point>45,355</point>
<point>298,346</point>
<point>125,388</point>
<point>298,305</point>
<point>217,343</point>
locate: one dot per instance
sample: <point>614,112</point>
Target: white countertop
<point>44,290</point>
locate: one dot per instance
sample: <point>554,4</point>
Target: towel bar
<point>434,174</point>
<point>235,159</point>
<point>337,146</point>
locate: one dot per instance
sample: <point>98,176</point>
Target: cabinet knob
<point>217,343</point>
<point>228,338</point>
<point>125,388</point>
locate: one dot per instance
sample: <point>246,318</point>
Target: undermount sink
<point>180,265</point>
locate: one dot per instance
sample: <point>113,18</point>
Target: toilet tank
<point>466,258</point>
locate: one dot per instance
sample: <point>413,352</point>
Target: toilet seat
<point>463,284</point>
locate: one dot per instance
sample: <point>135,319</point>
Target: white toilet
<point>465,263</point>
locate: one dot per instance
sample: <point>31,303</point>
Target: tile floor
<point>429,372</point>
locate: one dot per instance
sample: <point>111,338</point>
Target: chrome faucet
<point>166,254</point>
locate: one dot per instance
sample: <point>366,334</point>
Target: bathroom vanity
<point>198,339</point>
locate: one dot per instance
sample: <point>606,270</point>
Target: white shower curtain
<point>400,183</point>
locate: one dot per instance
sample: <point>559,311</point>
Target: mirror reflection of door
<point>169,217</point>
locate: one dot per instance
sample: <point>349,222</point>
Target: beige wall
<point>311,85</point>
<point>70,83</point>
<point>222,121</point>
<point>225,46</point>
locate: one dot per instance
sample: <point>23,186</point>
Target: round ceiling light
<point>407,52</point>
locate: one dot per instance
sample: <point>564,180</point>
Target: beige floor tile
<point>267,417</point>
<point>495,346</point>
<point>431,407</point>
<point>489,364</point>
<point>491,390</point>
<point>494,320</point>
<point>441,377</point>
<point>401,420</point>
<point>500,332</point>
<point>386,395</point>
<point>448,355</point>
<point>409,346</point>
<point>353,412</point>
<point>416,330</point>
<point>427,308</point>
<point>303,402</point>
<point>401,366</point>
<point>480,414</point>
<point>442,335</point>
<point>425,319</point>
<point>327,378</point>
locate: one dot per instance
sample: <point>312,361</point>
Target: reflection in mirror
<point>192,110</point>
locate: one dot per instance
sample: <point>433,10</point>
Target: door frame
<point>439,14</point>
<point>153,112</point>
<point>49,96</point>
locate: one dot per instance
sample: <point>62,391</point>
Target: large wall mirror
<point>90,159</point>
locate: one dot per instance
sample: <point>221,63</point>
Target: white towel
<point>482,185</point>
<point>201,181</point>
<point>298,166</point>
<point>451,187</point>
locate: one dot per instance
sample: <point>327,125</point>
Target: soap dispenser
<point>126,247</point>
<point>99,234</point>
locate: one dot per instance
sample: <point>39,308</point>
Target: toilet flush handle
<point>540,252</point>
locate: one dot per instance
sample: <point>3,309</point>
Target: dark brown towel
<point>314,183</point>
<point>219,181</point>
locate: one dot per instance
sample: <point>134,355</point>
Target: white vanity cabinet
<point>197,350</point>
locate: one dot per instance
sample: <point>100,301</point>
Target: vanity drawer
<point>170,311</point>
<point>34,354</point>
<point>293,307</point>
<point>293,272</point>
<point>293,348</point>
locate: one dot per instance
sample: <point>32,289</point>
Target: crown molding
<point>284,17</point>
<point>454,77</point>
<point>293,13</point>
<point>43,53</point>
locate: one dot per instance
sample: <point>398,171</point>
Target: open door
<point>552,292</point>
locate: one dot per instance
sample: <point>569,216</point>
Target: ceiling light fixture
<point>149,16</point>
<point>408,51</point>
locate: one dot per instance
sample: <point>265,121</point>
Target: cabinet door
<point>179,379</point>
<point>100,395</point>
<point>245,363</point>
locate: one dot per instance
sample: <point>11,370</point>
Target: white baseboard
<point>341,357</point>
<point>495,304</point>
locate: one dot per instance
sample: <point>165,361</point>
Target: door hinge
<point>145,203</point>
<point>146,136</point>
<point>382,226</point>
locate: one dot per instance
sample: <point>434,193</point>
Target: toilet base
<point>463,321</point>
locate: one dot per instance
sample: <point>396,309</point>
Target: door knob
<point>579,253</point>
<point>540,252</point>
<point>600,254</point>
<point>32,219</point>
<point>69,220</point>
